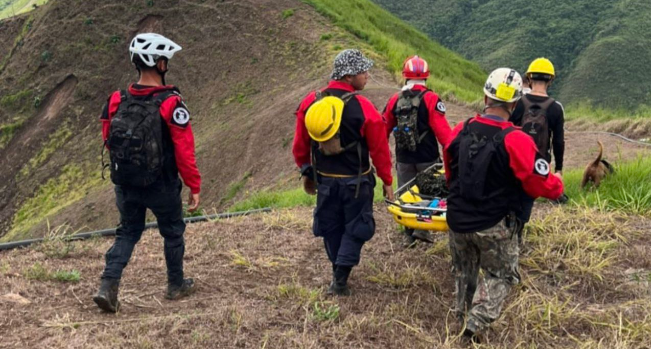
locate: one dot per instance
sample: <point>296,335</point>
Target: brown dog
<point>597,170</point>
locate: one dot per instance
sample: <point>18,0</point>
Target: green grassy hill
<point>598,46</point>
<point>9,8</point>
<point>59,63</point>
<point>395,40</point>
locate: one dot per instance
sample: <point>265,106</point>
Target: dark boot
<point>408,240</point>
<point>563,199</point>
<point>179,291</point>
<point>519,229</point>
<point>339,285</point>
<point>423,235</point>
<point>107,296</point>
<point>470,334</point>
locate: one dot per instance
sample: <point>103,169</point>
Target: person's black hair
<point>140,64</point>
<point>541,77</point>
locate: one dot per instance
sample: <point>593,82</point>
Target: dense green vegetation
<point>395,40</point>
<point>598,46</point>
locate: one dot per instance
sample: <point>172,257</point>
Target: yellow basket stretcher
<point>413,210</point>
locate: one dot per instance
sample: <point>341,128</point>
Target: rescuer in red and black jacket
<point>488,164</point>
<point>344,212</point>
<point>147,132</point>
<point>416,118</point>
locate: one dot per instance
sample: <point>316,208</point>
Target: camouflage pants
<point>495,251</point>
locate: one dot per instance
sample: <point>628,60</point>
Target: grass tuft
<point>288,13</point>
<point>627,190</point>
<point>38,272</point>
<point>403,277</point>
<point>325,311</point>
<point>574,244</point>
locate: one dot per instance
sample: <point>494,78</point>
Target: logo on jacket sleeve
<point>541,167</point>
<point>181,116</point>
<point>440,107</point>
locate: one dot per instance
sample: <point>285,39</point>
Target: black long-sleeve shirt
<point>556,122</point>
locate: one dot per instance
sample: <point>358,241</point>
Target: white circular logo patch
<point>440,106</point>
<point>181,116</point>
<point>541,167</point>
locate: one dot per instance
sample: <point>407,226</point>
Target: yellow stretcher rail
<point>413,211</point>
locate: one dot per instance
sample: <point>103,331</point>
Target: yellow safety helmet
<point>323,118</point>
<point>541,66</point>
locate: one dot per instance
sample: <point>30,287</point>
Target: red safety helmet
<point>415,68</point>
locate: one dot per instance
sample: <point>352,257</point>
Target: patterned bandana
<point>350,62</point>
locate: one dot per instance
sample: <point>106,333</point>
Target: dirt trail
<point>259,280</point>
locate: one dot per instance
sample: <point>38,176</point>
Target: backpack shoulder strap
<point>499,136</point>
<point>546,104</point>
<point>526,103</point>
<point>124,94</point>
<point>347,96</point>
<point>161,97</point>
<point>466,129</point>
<point>415,101</point>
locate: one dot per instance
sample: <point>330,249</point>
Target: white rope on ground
<point>614,135</point>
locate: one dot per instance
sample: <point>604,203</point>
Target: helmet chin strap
<point>161,73</point>
<point>498,105</point>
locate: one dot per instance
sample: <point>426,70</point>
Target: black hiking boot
<point>469,335</point>
<point>423,235</point>
<point>339,284</point>
<point>107,296</point>
<point>563,199</point>
<point>179,291</point>
<point>408,241</point>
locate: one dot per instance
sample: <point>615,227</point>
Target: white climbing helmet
<point>504,85</point>
<point>150,46</point>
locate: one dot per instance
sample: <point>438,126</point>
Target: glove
<point>309,186</point>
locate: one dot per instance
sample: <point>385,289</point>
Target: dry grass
<point>262,279</point>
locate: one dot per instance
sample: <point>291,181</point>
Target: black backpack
<point>535,124</point>
<point>136,143</point>
<point>476,153</point>
<point>406,112</point>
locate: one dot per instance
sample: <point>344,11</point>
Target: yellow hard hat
<point>541,66</point>
<point>323,118</point>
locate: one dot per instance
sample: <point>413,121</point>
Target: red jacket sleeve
<point>374,131</point>
<point>531,168</point>
<point>389,118</point>
<point>109,111</point>
<point>446,156</point>
<point>177,118</point>
<point>437,121</point>
<point>301,146</point>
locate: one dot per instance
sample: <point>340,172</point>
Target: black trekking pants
<point>344,222</point>
<point>164,200</point>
